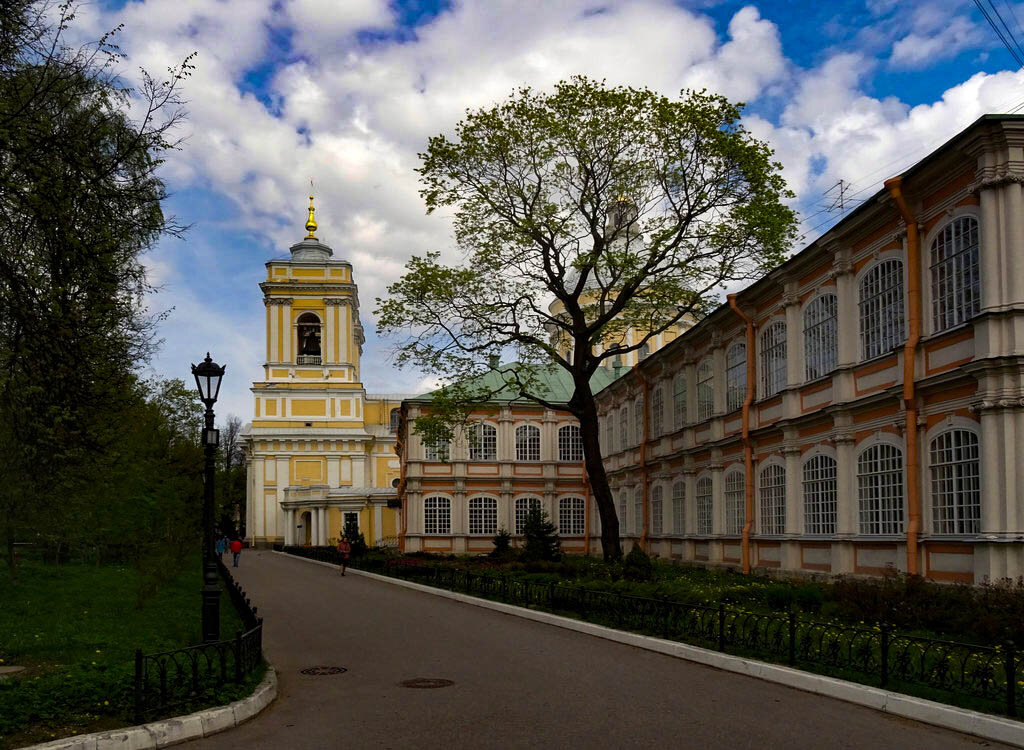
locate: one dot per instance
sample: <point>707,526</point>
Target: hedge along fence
<point>984,677</point>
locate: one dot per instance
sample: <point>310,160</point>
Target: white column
<point>378,524</point>
<point>289,526</point>
<point>794,511</point>
<point>327,339</point>
<point>275,354</point>
<point>314,524</point>
<point>254,508</point>
<point>323,526</point>
<point>359,469</point>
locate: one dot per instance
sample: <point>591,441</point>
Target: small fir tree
<point>542,542</point>
<point>502,545</point>
<point>355,537</point>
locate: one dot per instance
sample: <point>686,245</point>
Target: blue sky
<point>347,91</point>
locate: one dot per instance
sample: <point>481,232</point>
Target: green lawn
<point>75,628</point>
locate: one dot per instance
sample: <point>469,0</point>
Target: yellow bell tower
<point>320,449</point>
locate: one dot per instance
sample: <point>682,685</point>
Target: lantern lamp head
<point>208,375</point>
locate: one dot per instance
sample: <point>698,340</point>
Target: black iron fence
<point>984,677</point>
<point>187,676</point>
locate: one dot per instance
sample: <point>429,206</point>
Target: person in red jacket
<point>236,550</point>
<point>344,551</point>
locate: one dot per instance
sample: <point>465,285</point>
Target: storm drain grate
<point>321,671</point>
<point>426,682</point>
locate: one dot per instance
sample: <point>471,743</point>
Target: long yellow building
<point>320,450</point>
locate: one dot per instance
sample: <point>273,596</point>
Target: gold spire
<point>311,222</point>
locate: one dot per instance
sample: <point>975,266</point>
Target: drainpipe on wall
<point>909,359</point>
<point>748,457</point>
<point>645,391</point>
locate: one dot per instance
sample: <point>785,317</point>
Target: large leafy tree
<point>80,203</point>
<point>628,210</point>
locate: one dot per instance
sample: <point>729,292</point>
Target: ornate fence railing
<point>186,676</point>
<point>987,676</point>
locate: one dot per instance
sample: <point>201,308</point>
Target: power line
<point>995,27</point>
<point>1009,32</point>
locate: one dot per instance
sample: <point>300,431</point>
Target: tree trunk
<point>585,408</point>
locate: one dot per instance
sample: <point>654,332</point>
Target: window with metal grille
<point>735,503</point>
<point>705,390</point>
<point>657,412</point>
<point>956,483</point>
<point>705,506</point>
<point>436,451</point>
<point>679,507</point>
<point>820,495</point>
<point>394,418</point>
<point>527,443</point>
<point>772,487</point>
<point>881,309</point>
<point>638,422</point>
<point>483,515</point>
<point>820,336</point>
<point>638,511</point>
<point>523,506</point>
<point>773,359</point>
<point>483,442</point>
<point>437,515</point>
<point>678,400</point>
<point>880,489</point>
<point>623,514</point>
<point>624,427</point>
<point>956,280</point>
<point>572,516</point>
<point>735,376</point>
<point>570,443</point>
<point>657,510</point>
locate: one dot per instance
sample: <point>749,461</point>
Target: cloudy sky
<point>346,92</point>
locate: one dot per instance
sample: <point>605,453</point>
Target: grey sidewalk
<point>517,683</point>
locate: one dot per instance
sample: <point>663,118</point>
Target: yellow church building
<point>320,450</point>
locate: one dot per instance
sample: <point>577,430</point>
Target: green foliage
<point>502,546</point>
<point>355,537</point>
<point>541,537</point>
<point>637,566</point>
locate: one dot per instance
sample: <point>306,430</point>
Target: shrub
<point>809,597</point>
<point>779,595</point>
<point>502,545</point>
<point>355,537</point>
<point>542,542</point>
<point>637,566</point>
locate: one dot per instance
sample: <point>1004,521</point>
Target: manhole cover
<point>320,671</point>
<point>426,682</point>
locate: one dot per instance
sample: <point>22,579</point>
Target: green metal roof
<point>554,383</point>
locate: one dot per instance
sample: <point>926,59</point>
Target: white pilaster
<point>378,524</point>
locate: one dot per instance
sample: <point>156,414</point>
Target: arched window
<point>956,483</point>
<point>527,443</point>
<point>638,511</point>
<point>705,390</point>
<point>880,489</point>
<point>638,421</point>
<point>678,400</point>
<point>773,359</point>
<point>881,309</point>
<point>623,512</point>
<point>572,516</point>
<point>436,451</point>
<point>956,280</point>
<point>657,511</point>
<point>437,515</point>
<point>624,426</point>
<point>773,499</point>
<point>679,507</point>
<point>735,502</point>
<point>705,506</point>
<point>735,376</point>
<point>483,515</point>
<point>820,495</point>
<point>483,442</point>
<point>570,443</point>
<point>523,507</point>
<point>307,330</point>
<point>394,417</point>
<point>657,412</point>
<point>820,338</point>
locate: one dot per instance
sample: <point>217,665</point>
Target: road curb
<point>963,720</point>
<point>178,729</point>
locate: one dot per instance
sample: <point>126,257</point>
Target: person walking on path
<point>222,544</point>
<point>344,551</point>
<point>236,550</point>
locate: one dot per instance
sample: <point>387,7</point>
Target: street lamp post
<point>208,375</point>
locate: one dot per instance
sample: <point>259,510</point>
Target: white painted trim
<point>975,723</point>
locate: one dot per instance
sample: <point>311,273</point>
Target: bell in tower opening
<point>309,339</point>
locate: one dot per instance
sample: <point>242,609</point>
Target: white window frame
<point>955,479</point>
<point>881,308</point>
<point>735,485</point>
<point>771,490</point>
<point>705,389</point>
<point>657,411</point>
<point>522,507</point>
<point>773,358</point>
<point>735,376</point>
<point>638,510</point>
<point>572,516</point>
<point>483,442</point>
<point>483,516</point>
<point>679,507</point>
<point>528,443</point>
<point>820,490</point>
<point>436,451</point>
<point>657,510</point>
<point>955,277</point>
<point>638,421</point>
<point>437,515</point>
<point>622,510</point>
<point>821,335</point>
<point>570,443</point>
<point>704,501</point>
<point>679,400</point>
<point>624,425</point>
<point>880,493</point>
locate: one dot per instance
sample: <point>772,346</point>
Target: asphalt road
<point>517,683</point>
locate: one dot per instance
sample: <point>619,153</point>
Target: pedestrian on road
<point>236,550</point>
<point>222,544</point>
<point>344,550</point>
